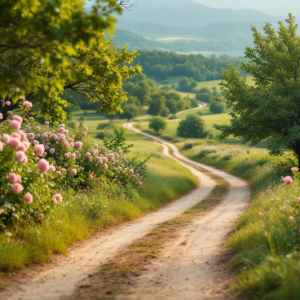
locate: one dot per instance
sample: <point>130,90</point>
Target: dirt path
<point>59,279</point>
<point>189,267</point>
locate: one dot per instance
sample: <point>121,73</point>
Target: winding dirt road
<point>187,273</point>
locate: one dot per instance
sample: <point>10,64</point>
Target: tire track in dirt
<point>189,268</point>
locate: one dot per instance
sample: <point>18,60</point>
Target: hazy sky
<point>271,7</point>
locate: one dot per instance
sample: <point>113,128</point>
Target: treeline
<point>160,65</point>
<point>142,91</point>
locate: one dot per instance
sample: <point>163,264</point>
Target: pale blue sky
<point>271,7</point>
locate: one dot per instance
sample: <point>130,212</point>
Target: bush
<point>25,180</point>
<point>81,119</point>
<point>157,124</point>
<point>188,145</point>
<point>193,126</point>
<point>216,107</point>
<point>130,111</point>
<point>172,117</point>
<point>103,125</point>
<point>165,112</point>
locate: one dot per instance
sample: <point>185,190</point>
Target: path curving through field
<point>190,267</point>
<point>60,279</point>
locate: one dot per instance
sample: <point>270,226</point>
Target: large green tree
<point>269,110</point>
<point>47,47</point>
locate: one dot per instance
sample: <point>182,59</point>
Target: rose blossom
<point>78,145</point>
<point>73,171</point>
<point>17,188</point>
<point>8,103</point>
<point>52,150</point>
<point>14,143</point>
<point>1,211</point>
<point>47,123</point>
<point>13,178</point>
<point>58,173</point>
<point>43,165</point>
<point>1,116</point>
<point>17,118</point>
<point>20,155</point>
<point>105,166</point>
<point>15,124</point>
<point>287,180</point>
<point>66,155</point>
<point>31,118</point>
<point>294,169</point>
<point>41,216</point>
<point>28,197</point>
<point>52,168</point>
<point>1,146</point>
<point>63,170</point>
<point>6,138</point>
<point>27,104</point>
<point>57,197</point>
<point>290,218</point>
<point>39,149</point>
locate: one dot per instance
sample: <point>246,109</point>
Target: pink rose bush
<point>25,191</point>
<point>76,156</point>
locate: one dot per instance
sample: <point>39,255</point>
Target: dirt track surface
<point>203,240</point>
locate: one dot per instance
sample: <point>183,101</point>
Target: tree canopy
<point>270,110</point>
<point>47,47</point>
<point>157,124</point>
<point>192,127</point>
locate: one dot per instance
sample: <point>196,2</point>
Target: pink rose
<point>73,171</point>
<point>43,165</point>
<point>17,118</point>
<point>6,138</point>
<point>27,104</point>
<point>15,124</point>
<point>1,146</point>
<point>17,188</point>
<point>20,156</point>
<point>31,118</point>
<point>28,197</point>
<point>8,103</point>
<point>287,180</point>
<point>52,168</point>
<point>47,123</point>
<point>9,112</point>
<point>52,150</point>
<point>58,173</point>
<point>13,178</point>
<point>39,149</point>
<point>63,170</point>
<point>14,143</point>
<point>1,116</point>
<point>41,216</point>
<point>58,198</point>
<point>105,166</point>
<point>78,145</point>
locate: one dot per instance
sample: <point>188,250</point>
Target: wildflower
<point>47,123</point>
<point>287,180</point>
<point>17,188</point>
<point>66,155</point>
<point>294,169</point>
<point>28,197</point>
<point>8,103</point>
<point>39,149</point>
<point>63,170</point>
<point>31,118</point>
<point>27,104</point>
<point>290,218</point>
<point>15,124</point>
<point>105,166</point>
<point>120,152</point>
<point>140,183</point>
<point>43,165</point>
<point>131,171</point>
<point>73,171</point>
<point>260,214</point>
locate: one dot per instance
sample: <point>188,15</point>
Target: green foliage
<point>269,110</point>
<point>118,141</point>
<point>203,97</point>
<point>165,112</point>
<point>130,111</point>
<point>192,126</point>
<point>157,104</point>
<point>103,135</point>
<point>172,106</point>
<point>216,107</point>
<point>162,64</point>
<point>157,124</point>
<point>187,85</point>
<point>48,48</point>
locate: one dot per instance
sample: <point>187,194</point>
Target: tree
<point>165,112</point>
<point>192,127</point>
<point>172,106</point>
<point>47,47</point>
<point>180,105</point>
<point>270,110</point>
<point>203,97</point>
<point>157,104</point>
<point>216,107</point>
<point>157,124</point>
<point>130,111</point>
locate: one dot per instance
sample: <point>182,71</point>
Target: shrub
<point>103,134</point>
<point>172,117</point>
<point>165,112</point>
<point>216,107</point>
<point>81,119</point>
<point>26,181</point>
<point>103,125</point>
<point>157,124</point>
<point>192,127</point>
<point>188,145</point>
